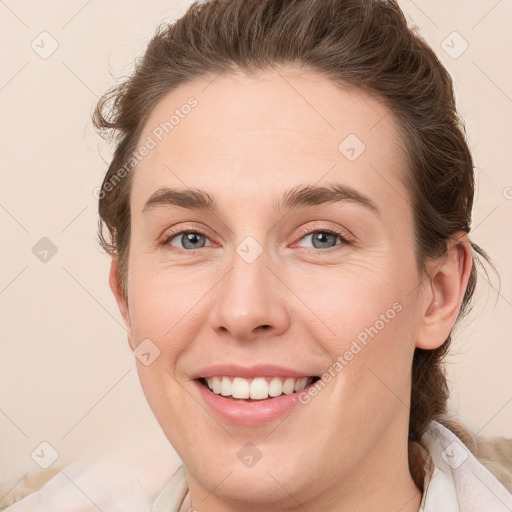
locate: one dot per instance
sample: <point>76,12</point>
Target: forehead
<point>255,135</point>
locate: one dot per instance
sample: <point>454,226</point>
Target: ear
<point>115,286</point>
<point>443,292</point>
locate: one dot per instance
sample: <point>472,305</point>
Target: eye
<point>187,239</point>
<point>324,238</point>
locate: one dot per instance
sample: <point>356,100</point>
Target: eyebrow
<point>294,198</point>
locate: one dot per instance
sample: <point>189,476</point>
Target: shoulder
<point>83,488</point>
<point>455,479</point>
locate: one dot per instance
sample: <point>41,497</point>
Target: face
<point>274,283</point>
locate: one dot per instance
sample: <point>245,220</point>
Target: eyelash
<point>344,238</point>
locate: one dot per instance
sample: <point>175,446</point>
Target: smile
<point>257,388</point>
<point>255,399</point>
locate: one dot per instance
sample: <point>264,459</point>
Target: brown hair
<point>362,43</point>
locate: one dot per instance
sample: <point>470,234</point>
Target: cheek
<point>343,303</point>
<point>365,319</point>
<point>163,302</point>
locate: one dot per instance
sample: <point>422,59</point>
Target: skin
<point>249,139</point>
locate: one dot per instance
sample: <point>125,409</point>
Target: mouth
<point>255,389</point>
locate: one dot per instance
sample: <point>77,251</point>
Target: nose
<point>250,301</point>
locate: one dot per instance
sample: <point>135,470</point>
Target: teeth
<point>225,387</point>
<point>288,386</point>
<point>216,385</point>
<point>275,388</point>
<point>258,388</point>
<point>240,388</point>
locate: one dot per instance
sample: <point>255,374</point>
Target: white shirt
<point>455,481</point>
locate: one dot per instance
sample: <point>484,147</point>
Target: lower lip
<point>257,412</point>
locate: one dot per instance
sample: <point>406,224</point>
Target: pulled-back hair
<point>366,44</point>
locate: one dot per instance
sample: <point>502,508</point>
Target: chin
<point>253,489</point>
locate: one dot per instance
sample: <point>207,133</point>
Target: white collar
<point>455,481</point>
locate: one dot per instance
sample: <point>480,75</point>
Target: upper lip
<point>258,370</point>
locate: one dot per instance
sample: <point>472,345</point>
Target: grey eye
<point>322,239</point>
<point>189,240</point>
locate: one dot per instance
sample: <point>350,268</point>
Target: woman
<point>288,210</point>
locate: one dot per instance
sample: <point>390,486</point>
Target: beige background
<point>67,376</point>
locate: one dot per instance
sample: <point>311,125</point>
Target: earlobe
<point>445,289</point>
<point>115,286</point>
